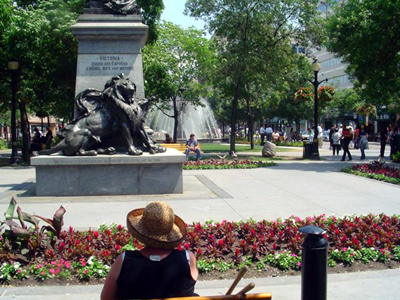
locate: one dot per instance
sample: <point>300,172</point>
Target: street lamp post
<point>316,67</point>
<point>13,67</point>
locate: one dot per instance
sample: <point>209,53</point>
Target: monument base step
<point>59,175</point>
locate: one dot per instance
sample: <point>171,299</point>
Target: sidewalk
<point>302,188</point>
<point>346,286</point>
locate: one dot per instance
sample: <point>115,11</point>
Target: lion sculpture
<point>105,115</point>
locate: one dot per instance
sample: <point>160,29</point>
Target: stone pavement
<point>301,188</point>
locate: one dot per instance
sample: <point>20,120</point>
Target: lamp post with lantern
<point>316,67</point>
<point>13,66</point>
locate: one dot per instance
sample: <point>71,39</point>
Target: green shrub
<point>396,157</point>
<point>3,144</point>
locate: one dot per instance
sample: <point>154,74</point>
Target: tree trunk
<point>48,121</point>
<point>298,128</point>
<point>234,115</point>
<point>250,124</point>
<point>176,120</point>
<point>25,136</point>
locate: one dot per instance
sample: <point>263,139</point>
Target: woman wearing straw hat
<point>158,270</point>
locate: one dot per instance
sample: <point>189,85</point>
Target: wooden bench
<point>178,146</point>
<point>260,296</point>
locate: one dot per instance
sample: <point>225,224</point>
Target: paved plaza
<point>292,187</point>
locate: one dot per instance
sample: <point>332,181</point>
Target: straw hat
<point>156,225</point>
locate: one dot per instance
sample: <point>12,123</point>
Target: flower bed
<point>375,171</point>
<point>219,246</point>
<point>225,164</point>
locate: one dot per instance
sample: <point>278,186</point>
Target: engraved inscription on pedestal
<point>106,65</point>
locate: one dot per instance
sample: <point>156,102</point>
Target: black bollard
<point>314,264</point>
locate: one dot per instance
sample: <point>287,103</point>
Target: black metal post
<point>315,151</point>
<point>314,265</point>
<point>14,149</point>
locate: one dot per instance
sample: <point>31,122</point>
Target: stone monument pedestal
<point>109,45</point>
<point>59,175</point>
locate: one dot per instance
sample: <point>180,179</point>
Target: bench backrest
<point>261,296</point>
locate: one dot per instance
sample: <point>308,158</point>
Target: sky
<point>173,12</point>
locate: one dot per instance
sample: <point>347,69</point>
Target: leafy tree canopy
<point>177,65</point>
<point>366,34</point>
<point>253,38</point>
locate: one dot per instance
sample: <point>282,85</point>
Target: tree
<point>288,108</point>
<point>248,33</point>
<point>151,13</point>
<point>366,34</point>
<point>176,67</point>
<point>37,34</point>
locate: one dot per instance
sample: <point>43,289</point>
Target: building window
<point>341,79</point>
<point>331,62</point>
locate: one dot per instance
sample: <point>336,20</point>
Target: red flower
<point>62,245</point>
<point>120,227</point>
<point>237,252</point>
<point>96,234</point>
<point>117,247</point>
<point>199,252</point>
<point>220,243</point>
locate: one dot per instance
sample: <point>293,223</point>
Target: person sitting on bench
<point>158,270</point>
<point>192,145</point>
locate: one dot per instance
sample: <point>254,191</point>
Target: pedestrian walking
<point>362,141</point>
<point>336,142</point>
<point>331,132</point>
<point>346,137</point>
<point>269,132</point>
<point>263,134</point>
<point>384,136</point>
<point>320,136</point>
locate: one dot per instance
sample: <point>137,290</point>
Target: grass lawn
<point>240,156</point>
<point>211,147</point>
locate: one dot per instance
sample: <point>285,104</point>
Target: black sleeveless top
<point>141,278</point>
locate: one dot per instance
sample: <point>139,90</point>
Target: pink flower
<point>53,263</point>
<point>42,273</point>
<point>299,264</point>
<point>52,271</point>
<point>83,263</point>
<point>67,265</point>
<point>85,271</point>
<point>19,271</point>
